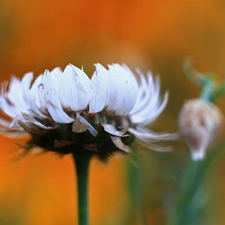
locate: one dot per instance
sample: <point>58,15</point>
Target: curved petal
<point>5,127</point>
<point>151,136</point>
<point>148,138</point>
<point>75,90</point>
<point>26,82</point>
<point>30,120</point>
<point>29,128</point>
<point>15,93</point>
<point>112,130</point>
<point>124,94</point>
<point>100,85</point>
<point>149,104</point>
<point>164,136</point>
<point>81,125</point>
<point>119,144</point>
<point>115,89</point>
<point>56,77</point>
<point>12,101</point>
<point>52,102</point>
<point>34,98</point>
<point>7,108</point>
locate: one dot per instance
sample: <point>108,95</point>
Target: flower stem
<point>189,187</point>
<point>82,161</point>
<point>136,190</point>
<point>207,93</point>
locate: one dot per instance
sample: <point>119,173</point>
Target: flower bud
<point>199,124</point>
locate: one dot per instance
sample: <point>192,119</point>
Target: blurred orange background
<point>155,34</point>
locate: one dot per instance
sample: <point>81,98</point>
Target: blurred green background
<point>153,35</point>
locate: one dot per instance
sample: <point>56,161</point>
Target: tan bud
<point>199,124</point>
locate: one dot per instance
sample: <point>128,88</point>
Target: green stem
<point>82,161</point>
<point>207,91</point>
<point>136,190</point>
<point>187,192</point>
<point>190,207</point>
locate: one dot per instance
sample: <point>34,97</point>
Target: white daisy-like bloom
<point>66,111</point>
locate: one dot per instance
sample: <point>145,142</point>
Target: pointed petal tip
<point>113,131</point>
<point>97,64</point>
<point>46,72</point>
<point>119,144</point>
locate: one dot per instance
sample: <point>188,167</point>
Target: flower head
<point>199,123</point>
<point>65,111</point>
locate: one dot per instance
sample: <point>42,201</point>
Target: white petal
<point>158,148</point>
<point>52,101</point>
<point>114,89</point>
<point>149,104</point>
<point>124,92</point>
<point>7,108</point>
<point>30,120</point>
<point>56,77</point>
<point>12,101</point>
<point>75,90</point>
<point>153,136</point>
<point>100,85</point>
<point>165,136</point>
<point>81,124</point>
<point>148,138</point>
<point>79,127</point>
<point>15,94</point>
<point>145,93</point>
<point>112,130</point>
<point>32,98</point>
<point>13,134</point>
<point>150,113</point>
<point>29,128</point>
<point>5,126</point>
<point>119,144</point>
<point>26,81</point>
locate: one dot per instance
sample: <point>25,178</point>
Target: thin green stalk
<point>82,161</point>
<point>190,206</point>
<point>190,182</point>
<point>208,91</point>
<point>136,190</point>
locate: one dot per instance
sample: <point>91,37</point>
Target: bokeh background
<point>149,34</point>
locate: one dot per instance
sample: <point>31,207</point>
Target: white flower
<point>65,110</point>
<point>199,122</point>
